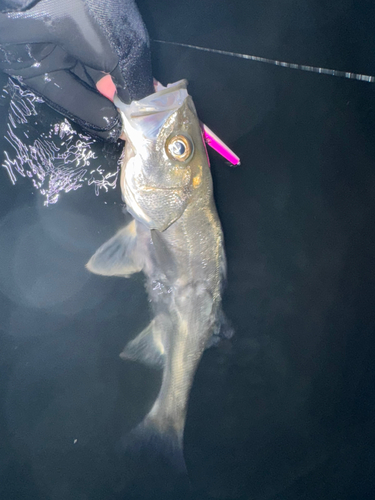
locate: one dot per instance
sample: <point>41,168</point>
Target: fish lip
<point>146,113</point>
<point>155,188</point>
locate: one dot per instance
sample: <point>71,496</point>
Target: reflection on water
<point>60,160</point>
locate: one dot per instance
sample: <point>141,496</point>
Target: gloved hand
<point>61,49</point>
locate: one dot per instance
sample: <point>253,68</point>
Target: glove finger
<point>81,29</point>
<point>117,79</point>
<point>64,23</point>
<point>18,29</point>
<point>56,59</point>
<point>123,91</point>
<point>68,95</point>
<point>127,34</point>
<point>15,5</point>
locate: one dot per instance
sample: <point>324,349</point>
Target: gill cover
<point>161,131</point>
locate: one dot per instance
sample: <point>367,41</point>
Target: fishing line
<point>275,62</point>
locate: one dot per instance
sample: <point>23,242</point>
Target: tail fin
<point>156,458</point>
<point>165,445</point>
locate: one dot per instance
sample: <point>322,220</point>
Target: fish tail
<point>165,445</point>
<point>154,461</point>
<point>156,456</point>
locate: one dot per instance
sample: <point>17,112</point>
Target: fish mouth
<point>142,114</point>
<point>149,189</point>
<point>149,114</point>
<point>150,104</point>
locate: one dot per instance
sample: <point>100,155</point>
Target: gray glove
<point>62,48</point>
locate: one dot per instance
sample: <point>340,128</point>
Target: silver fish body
<point>176,240</point>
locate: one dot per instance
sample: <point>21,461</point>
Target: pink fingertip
<point>218,145</point>
<point>106,87</point>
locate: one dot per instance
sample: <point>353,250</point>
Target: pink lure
<point>218,145</point>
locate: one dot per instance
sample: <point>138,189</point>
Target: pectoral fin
<point>119,256</point>
<point>147,348</point>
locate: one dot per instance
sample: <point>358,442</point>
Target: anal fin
<point>147,347</point>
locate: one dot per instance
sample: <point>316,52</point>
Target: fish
<point>175,238</point>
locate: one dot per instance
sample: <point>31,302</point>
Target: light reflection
<point>61,160</point>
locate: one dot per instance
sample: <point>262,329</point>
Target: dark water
<point>285,410</point>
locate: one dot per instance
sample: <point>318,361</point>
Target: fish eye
<point>179,147</point>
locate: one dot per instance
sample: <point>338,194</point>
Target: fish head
<point>165,163</point>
